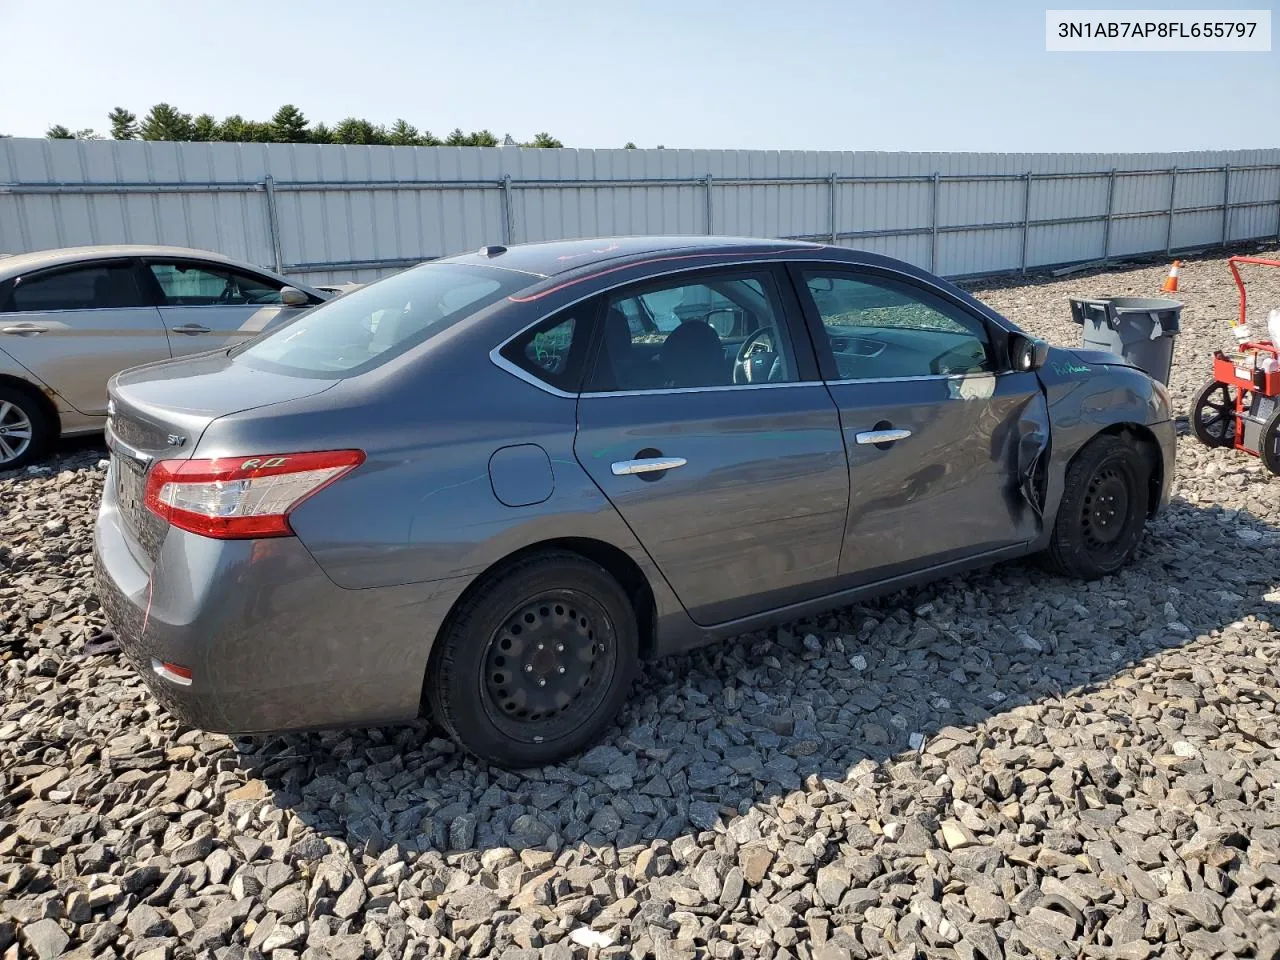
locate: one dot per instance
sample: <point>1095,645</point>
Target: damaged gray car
<point>486,488</point>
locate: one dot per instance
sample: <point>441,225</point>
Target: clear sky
<point>772,74</point>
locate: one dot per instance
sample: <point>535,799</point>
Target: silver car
<point>71,318</point>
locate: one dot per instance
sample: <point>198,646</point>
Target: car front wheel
<point>535,663</point>
<point>1103,511</point>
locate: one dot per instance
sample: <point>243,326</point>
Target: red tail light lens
<point>243,497</point>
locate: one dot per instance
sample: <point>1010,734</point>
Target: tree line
<point>288,125</point>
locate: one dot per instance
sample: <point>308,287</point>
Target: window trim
<point>13,283</point>
<point>997,334</point>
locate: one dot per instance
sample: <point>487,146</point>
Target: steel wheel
<point>1269,443</point>
<point>545,665</point>
<point>1103,509</point>
<point>1106,508</point>
<point>1213,415</point>
<point>16,432</point>
<point>535,661</point>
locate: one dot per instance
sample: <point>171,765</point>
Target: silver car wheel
<point>15,432</point>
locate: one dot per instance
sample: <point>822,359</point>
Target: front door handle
<point>190,328</point>
<point>625,468</point>
<point>882,436</point>
<point>24,330</point>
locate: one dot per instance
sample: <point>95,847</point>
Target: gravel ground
<point>1006,764</point>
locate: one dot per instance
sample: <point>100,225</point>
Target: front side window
<point>95,287</point>
<point>717,331</point>
<point>369,326</point>
<point>202,285</point>
<point>879,329</point>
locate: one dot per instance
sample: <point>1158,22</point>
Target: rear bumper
<point>271,642</point>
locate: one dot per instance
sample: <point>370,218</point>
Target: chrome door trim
<point>626,468</point>
<point>882,436</point>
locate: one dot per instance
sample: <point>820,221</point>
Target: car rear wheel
<point>1103,512</point>
<point>25,429</point>
<point>535,663</point>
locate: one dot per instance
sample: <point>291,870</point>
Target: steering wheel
<point>757,357</point>
<point>228,291</point>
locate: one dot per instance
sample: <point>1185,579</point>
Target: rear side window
<point>555,350</point>
<point>100,286</point>
<point>367,327</point>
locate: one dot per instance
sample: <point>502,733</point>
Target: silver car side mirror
<point>293,297</point>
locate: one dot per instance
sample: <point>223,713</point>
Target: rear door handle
<point>625,468</point>
<point>25,330</point>
<point>190,328</point>
<point>882,436</point>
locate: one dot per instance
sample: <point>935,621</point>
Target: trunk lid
<point>159,412</point>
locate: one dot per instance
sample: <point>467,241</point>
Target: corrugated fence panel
<point>337,212</point>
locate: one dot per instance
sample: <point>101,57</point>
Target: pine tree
<point>288,125</point>
<point>166,122</point>
<point>205,127</point>
<point>59,132</point>
<point>124,124</point>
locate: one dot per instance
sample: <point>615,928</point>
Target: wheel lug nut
<point>559,648</point>
<point>542,682</point>
<point>539,646</point>
<point>561,670</point>
<point>528,668</point>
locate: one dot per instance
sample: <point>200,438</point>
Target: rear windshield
<point>369,326</point>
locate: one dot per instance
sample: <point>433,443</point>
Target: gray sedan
<point>71,318</point>
<point>485,488</point>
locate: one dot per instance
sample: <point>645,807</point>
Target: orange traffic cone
<point>1171,282</point>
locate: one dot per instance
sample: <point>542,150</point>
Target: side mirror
<point>1028,354</point>
<point>293,297</point>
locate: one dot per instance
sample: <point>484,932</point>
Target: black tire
<point>1103,511</point>
<point>1269,443</point>
<point>557,618</point>
<point>1213,417</point>
<point>22,413</point>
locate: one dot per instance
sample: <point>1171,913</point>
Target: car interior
<point>879,332</point>
<point>716,333</point>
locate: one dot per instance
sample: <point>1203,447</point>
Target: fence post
<point>933,228</point>
<point>1026,220</point>
<point>832,212</point>
<point>273,222</point>
<point>1168,231</point>
<point>1226,200</point>
<point>508,221</point>
<point>1106,227</point>
<point>711,208</point>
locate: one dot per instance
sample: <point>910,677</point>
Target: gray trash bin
<point>1140,329</point>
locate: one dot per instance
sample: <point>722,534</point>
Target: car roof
<point>560,256</point>
<point>20,263</point>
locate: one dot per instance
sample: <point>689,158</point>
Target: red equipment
<point>1240,406</point>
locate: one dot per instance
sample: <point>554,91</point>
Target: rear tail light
<point>240,498</point>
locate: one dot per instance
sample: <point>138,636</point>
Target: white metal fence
<point>355,212</point>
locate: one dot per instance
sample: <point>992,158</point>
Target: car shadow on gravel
<point>707,737</point>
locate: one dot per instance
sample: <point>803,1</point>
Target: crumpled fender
<point>1033,452</point>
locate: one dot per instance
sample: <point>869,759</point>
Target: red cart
<point>1240,406</point>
